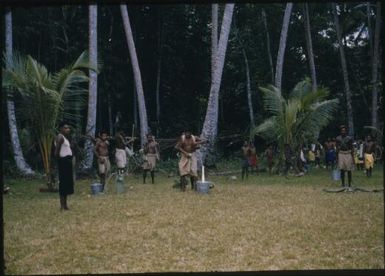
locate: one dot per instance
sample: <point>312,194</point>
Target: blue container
<point>336,175</point>
<point>96,188</point>
<point>203,187</point>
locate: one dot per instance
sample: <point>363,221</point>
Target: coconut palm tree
<point>18,156</point>
<point>302,115</point>
<point>46,98</point>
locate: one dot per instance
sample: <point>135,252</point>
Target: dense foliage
<point>180,33</point>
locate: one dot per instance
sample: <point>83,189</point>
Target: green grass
<point>264,223</point>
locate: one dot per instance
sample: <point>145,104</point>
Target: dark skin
<point>369,148</point>
<point>65,131</point>
<point>246,152</point>
<point>101,150</point>
<point>101,146</point>
<point>343,133</point>
<point>187,147</point>
<point>151,147</point>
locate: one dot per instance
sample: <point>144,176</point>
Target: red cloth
<point>253,161</point>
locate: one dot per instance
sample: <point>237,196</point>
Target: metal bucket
<point>96,188</point>
<point>203,187</point>
<point>119,184</point>
<point>336,175</point>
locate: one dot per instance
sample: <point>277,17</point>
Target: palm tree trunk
<point>110,122</point>
<point>214,37</point>
<point>268,45</point>
<point>370,34</point>
<point>282,45</point>
<point>18,156</point>
<point>210,125</point>
<point>135,109</point>
<point>137,75</point>
<point>345,72</point>
<point>92,95</point>
<point>248,86</point>
<point>157,96</point>
<point>309,45</point>
<point>375,81</point>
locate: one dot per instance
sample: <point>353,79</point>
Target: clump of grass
<point>262,223</point>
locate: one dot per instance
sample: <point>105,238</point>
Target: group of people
<point>102,144</point>
<point>340,152</point>
<point>249,158</point>
<point>150,154</point>
<point>187,145</point>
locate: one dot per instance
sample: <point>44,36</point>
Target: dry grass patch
<point>264,223</point>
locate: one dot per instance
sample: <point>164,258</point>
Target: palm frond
<point>272,100</point>
<point>267,129</point>
<point>307,100</point>
<point>302,88</point>
<point>83,62</point>
<point>316,118</point>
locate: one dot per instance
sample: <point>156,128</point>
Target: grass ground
<point>264,223</point>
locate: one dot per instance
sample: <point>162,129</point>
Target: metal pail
<point>203,187</point>
<point>96,188</point>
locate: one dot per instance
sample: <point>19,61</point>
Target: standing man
<point>246,153</point>
<point>187,145</point>
<point>253,158</point>
<point>101,153</point>
<point>151,155</point>
<point>345,155</point>
<point>63,155</point>
<point>369,150</point>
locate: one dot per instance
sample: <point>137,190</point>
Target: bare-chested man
<point>369,150</point>
<point>187,145</point>
<point>101,153</point>
<point>151,155</point>
<point>345,155</point>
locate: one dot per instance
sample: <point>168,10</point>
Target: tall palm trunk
<point>248,89</point>
<point>344,71</point>
<point>92,86</point>
<point>248,82</point>
<point>309,45</point>
<point>214,37</point>
<point>110,122</point>
<point>210,125</point>
<point>370,34</point>
<point>157,92</point>
<point>268,45</point>
<point>282,45</point>
<point>137,75</point>
<point>375,65</point>
<point>18,156</point>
